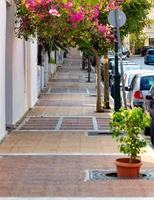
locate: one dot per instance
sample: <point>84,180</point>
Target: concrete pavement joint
<point>68,91</point>
<point>95,125</point>
<point>22,123</point>
<point>76,198</point>
<point>48,92</point>
<point>87,178</point>
<point>60,154</point>
<point>60,121</point>
<point>88,93</point>
<point>62,130</point>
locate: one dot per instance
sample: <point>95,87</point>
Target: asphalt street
<point>140,61</point>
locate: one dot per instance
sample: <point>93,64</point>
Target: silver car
<point>128,76</point>
<point>139,88</point>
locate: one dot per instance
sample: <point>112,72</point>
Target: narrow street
<point>56,148</point>
<point>140,61</point>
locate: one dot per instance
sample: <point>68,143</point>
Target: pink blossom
<point>54,12</point>
<point>102,28</point>
<point>31,4</point>
<point>114,4</point>
<point>41,15</point>
<point>76,16</point>
<point>68,5</point>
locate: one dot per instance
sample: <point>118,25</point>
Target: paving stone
<point>63,103</point>
<point>64,80</point>
<point>40,123</point>
<point>48,163</point>
<point>64,176</point>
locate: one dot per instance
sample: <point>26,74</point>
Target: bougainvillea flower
<point>54,12</point>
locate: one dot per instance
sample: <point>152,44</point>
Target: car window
<point>150,52</point>
<point>130,78</point>
<point>146,82</point>
<point>133,82</point>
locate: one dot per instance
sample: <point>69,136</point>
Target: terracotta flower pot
<point>127,169</point>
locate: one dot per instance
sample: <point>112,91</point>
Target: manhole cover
<point>111,175</point>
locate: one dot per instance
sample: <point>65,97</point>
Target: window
<point>133,82</point>
<point>130,78</point>
<point>151,40</point>
<point>146,82</point>
<point>150,52</point>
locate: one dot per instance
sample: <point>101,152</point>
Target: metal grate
<point>103,123</point>
<point>96,133</point>
<point>58,90</point>
<point>95,175</point>
<point>40,123</point>
<point>78,90</point>
<point>65,80</point>
<point>77,124</point>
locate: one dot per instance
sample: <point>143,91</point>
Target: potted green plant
<point>127,126</point>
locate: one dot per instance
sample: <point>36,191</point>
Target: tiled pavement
<point>50,152</point>
<point>65,123</point>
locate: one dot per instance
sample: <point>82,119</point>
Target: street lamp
<point>117,98</point>
<point>117,19</point>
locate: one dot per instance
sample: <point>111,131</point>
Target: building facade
<point>18,71</point>
<point>22,77</point>
<point>149,30</point>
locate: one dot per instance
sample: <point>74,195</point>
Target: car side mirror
<point>149,97</point>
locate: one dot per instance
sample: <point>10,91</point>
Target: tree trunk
<point>98,83</point>
<point>106,79</point>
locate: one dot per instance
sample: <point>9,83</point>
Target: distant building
<point>149,30</point>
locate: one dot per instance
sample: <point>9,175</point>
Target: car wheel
<point>147,131</point>
<point>152,132</point>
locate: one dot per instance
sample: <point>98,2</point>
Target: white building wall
<point>45,65</point>
<point>32,84</point>
<point>20,104</point>
<point>21,72</point>
<point>16,73</point>
<point>8,64</point>
<point>2,67</point>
